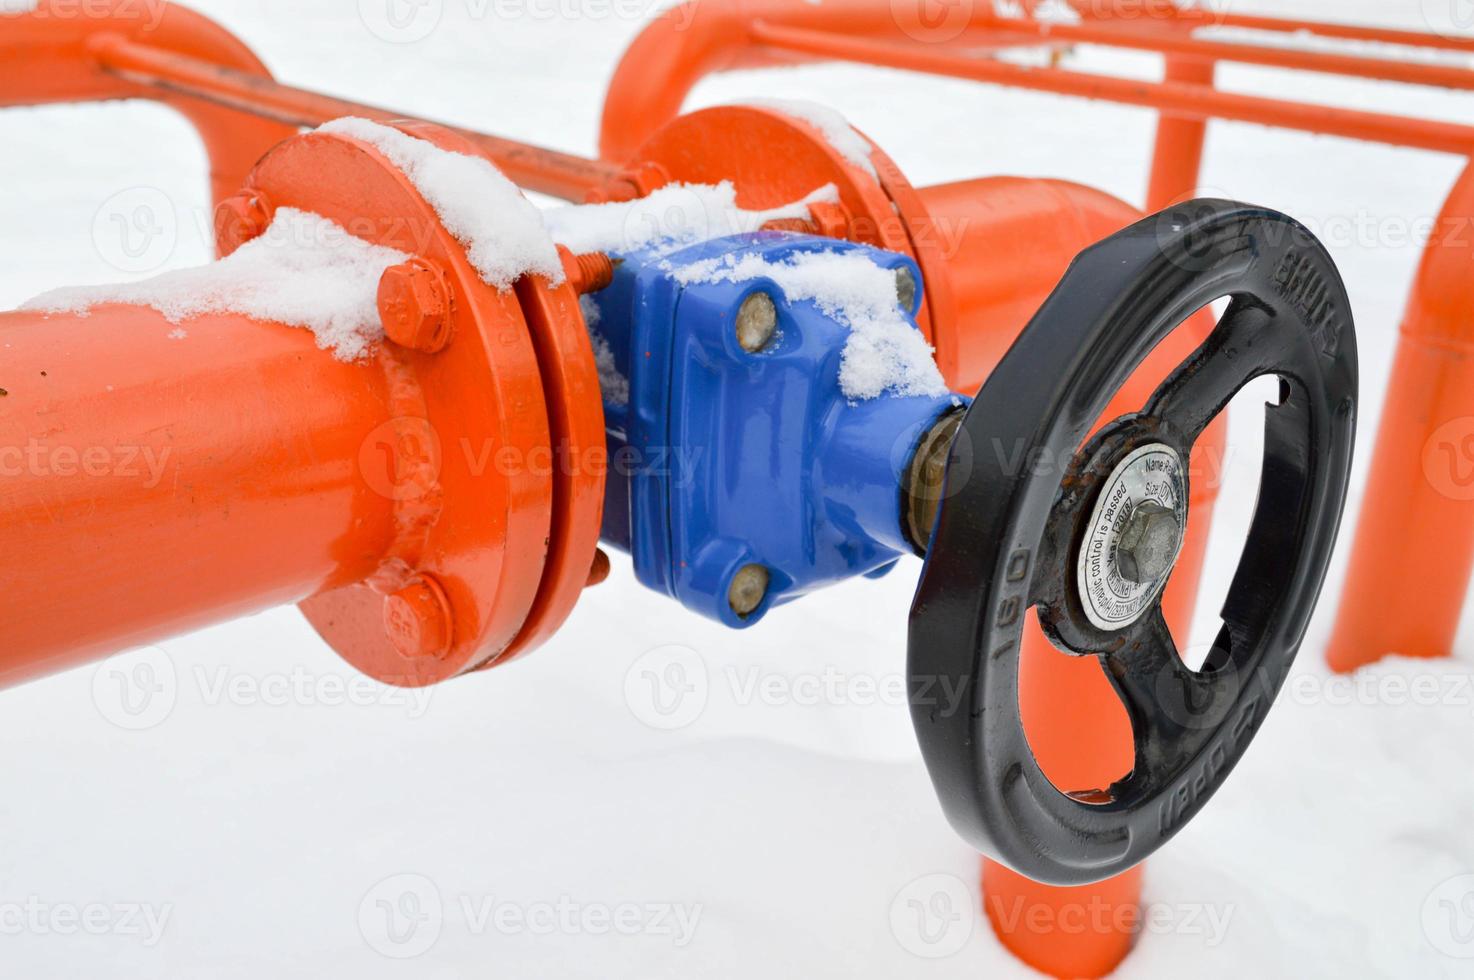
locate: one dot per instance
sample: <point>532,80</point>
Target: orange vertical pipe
<point>1414,550</point>
<point>156,479</point>
<point>1177,161</point>
<point>1008,240</point>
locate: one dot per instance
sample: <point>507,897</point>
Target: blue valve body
<point>724,458</point>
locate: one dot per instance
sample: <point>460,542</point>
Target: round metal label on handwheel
<point>1134,536</point>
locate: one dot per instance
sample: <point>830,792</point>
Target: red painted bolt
<point>418,619</point>
<point>831,219</point>
<point>240,219</point>
<point>414,304</point>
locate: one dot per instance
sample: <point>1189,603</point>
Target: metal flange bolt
<point>415,306</point>
<point>748,590</point>
<point>240,219</point>
<point>418,619</point>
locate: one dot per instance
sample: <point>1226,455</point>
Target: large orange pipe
<point>1414,550</point>
<point>1008,242</point>
<point>157,480</point>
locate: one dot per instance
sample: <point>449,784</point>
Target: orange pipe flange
<point>412,503</point>
<point>772,159</point>
<point>1414,549</point>
<point>45,58</point>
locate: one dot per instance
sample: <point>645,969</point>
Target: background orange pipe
<point>44,59</point>
<point>689,42</point>
<point>1414,550</point>
<point>154,485</point>
<point>1177,160</point>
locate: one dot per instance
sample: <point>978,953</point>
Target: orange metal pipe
<point>44,60</point>
<point>154,485</point>
<point>1345,32</point>
<point>698,38</point>
<point>1177,160</point>
<point>1009,240</point>
<point>533,167</point>
<point>1177,43</point>
<point>1414,550</point>
<point>1175,98</point>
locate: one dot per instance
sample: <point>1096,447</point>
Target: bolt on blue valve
<point>742,474</point>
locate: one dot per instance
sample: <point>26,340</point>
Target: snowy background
<point>237,803</point>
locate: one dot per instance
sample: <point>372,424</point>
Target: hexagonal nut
<point>414,305</point>
<point>1149,542</point>
<point>417,619</point>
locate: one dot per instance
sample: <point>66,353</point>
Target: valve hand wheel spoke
<point>1247,343</point>
<point>1093,547</point>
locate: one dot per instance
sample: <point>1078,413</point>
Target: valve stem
<point>921,495</point>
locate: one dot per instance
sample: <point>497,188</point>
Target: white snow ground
<point>264,820</point>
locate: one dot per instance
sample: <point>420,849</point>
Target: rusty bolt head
<point>414,305</point>
<point>748,590</point>
<point>418,619</point>
<point>240,219</point>
<point>757,321</point>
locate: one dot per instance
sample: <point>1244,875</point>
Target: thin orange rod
<point>1346,32</point>
<point>536,168</point>
<point>1176,98</point>
<point>1383,69</point>
<point>1198,17</point>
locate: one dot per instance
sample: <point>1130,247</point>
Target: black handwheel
<point>1092,546</point>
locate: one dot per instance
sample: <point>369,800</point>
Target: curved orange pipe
<point>1414,550</point>
<point>45,59</point>
<point>695,39</point>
